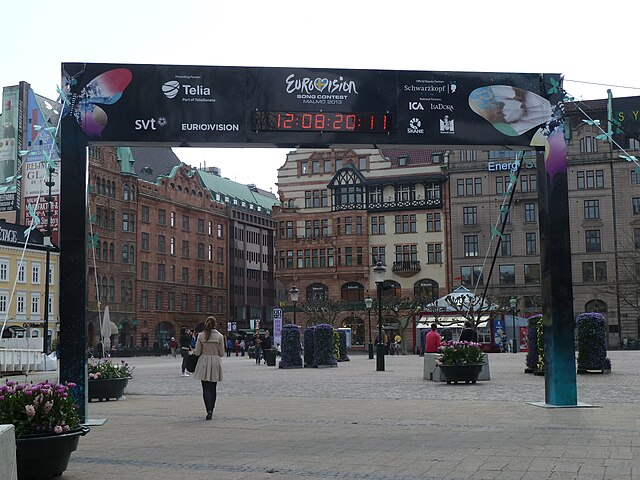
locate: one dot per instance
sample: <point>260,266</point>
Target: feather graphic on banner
<point>106,89</point>
<point>512,111</point>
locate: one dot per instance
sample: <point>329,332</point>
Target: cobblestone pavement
<point>352,422</point>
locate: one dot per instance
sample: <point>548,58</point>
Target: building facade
<point>343,211</point>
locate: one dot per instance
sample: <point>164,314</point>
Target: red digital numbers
<point>321,122</point>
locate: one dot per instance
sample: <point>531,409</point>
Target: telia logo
<point>171,88</point>
<point>190,93</point>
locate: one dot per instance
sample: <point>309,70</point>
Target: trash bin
<point>270,357</point>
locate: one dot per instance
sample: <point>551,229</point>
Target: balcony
<point>406,269</point>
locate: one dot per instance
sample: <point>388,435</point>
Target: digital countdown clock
<point>369,122</point>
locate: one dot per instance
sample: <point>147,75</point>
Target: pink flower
<point>48,406</point>
<point>31,410</point>
<point>57,429</point>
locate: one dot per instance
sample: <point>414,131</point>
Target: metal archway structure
<point>179,105</point>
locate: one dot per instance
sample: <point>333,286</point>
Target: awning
<point>449,321</point>
<point>114,329</point>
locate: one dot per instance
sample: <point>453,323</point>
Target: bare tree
<point>322,311</point>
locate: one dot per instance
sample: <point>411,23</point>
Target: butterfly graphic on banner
<point>105,89</point>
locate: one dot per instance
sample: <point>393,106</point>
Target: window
<point>185,248</point>
<point>162,244</point>
<point>507,274</point>
<point>592,209</point>
<point>162,272</point>
<point>377,226</point>
<point>531,246</point>
<point>592,241</point>
<point>470,215</point>
<point>434,223</point>
<point>172,220</point>
<point>405,192</point>
<point>162,217</point>
<point>144,214</point>
<point>505,245</point>
<point>201,225</point>
<point>20,303</point>
<point>171,301</point>
<point>635,178</point>
<point>3,302</point>
<point>4,270</point>
<point>587,179</point>
<point>469,186</point>
<point>375,195</point>
<point>588,144</point>
<point>159,301</point>
<point>185,275</point>
<point>594,271</point>
<point>432,192</point>
<point>35,304</point>
<point>144,270</point>
<point>378,255</point>
<point>144,299</point>
<point>471,245</point>
<point>532,273</point>
<point>128,222</point>
<point>530,212</point>
<point>502,184</point>
<point>220,230</point>
<point>144,244</point>
<point>471,276</point>
<point>35,273</point>
<point>635,203</point>
<point>434,252</point>
<point>407,253</point>
<point>185,223</point>
<point>21,269</point>
<point>352,292</point>
<point>405,223</point>
<point>200,251</point>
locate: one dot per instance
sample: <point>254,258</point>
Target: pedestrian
<point>210,349</point>
<point>229,347</point>
<point>236,345</point>
<point>468,334</point>
<point>174,346</point>
<point>432,340</point>
<point>266,345</point>
<point>242,347</point>
<point>258,351</point>
<point>185,348</point>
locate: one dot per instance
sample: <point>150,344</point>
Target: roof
<point>153,162</point>
<point>246,193</point>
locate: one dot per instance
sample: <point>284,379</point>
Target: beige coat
<point>209,367</point>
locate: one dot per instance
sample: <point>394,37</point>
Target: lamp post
<point>513,302</point>
<point>293,293</point>
<point>47,241</point>
<point>378,273</point>
<point>368,302</point>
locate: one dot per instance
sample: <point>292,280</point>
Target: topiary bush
<point>309,335</point>
<point>534,323</point>
<point>323,346</point>
<point>592,346</point>
<point>291,351</point>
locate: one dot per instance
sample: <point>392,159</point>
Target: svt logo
<point>415,106</point>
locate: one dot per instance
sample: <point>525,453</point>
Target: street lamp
<point>293,293</point>
<point>378,274</point>
<point>47,241</point>
<point>513,302</point>
<point>368,302</point>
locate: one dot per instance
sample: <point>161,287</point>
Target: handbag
<point>192,361</point>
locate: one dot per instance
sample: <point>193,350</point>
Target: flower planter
<point>107,388</point>
<point>461,373</point>
<point>44,456</point>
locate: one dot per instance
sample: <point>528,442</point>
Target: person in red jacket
<point>432,340</point>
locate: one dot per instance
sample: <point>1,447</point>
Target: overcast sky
<point>584,43</point>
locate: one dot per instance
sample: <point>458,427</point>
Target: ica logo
<point>415,106</point>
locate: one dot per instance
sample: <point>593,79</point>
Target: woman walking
<point>210,348</point>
